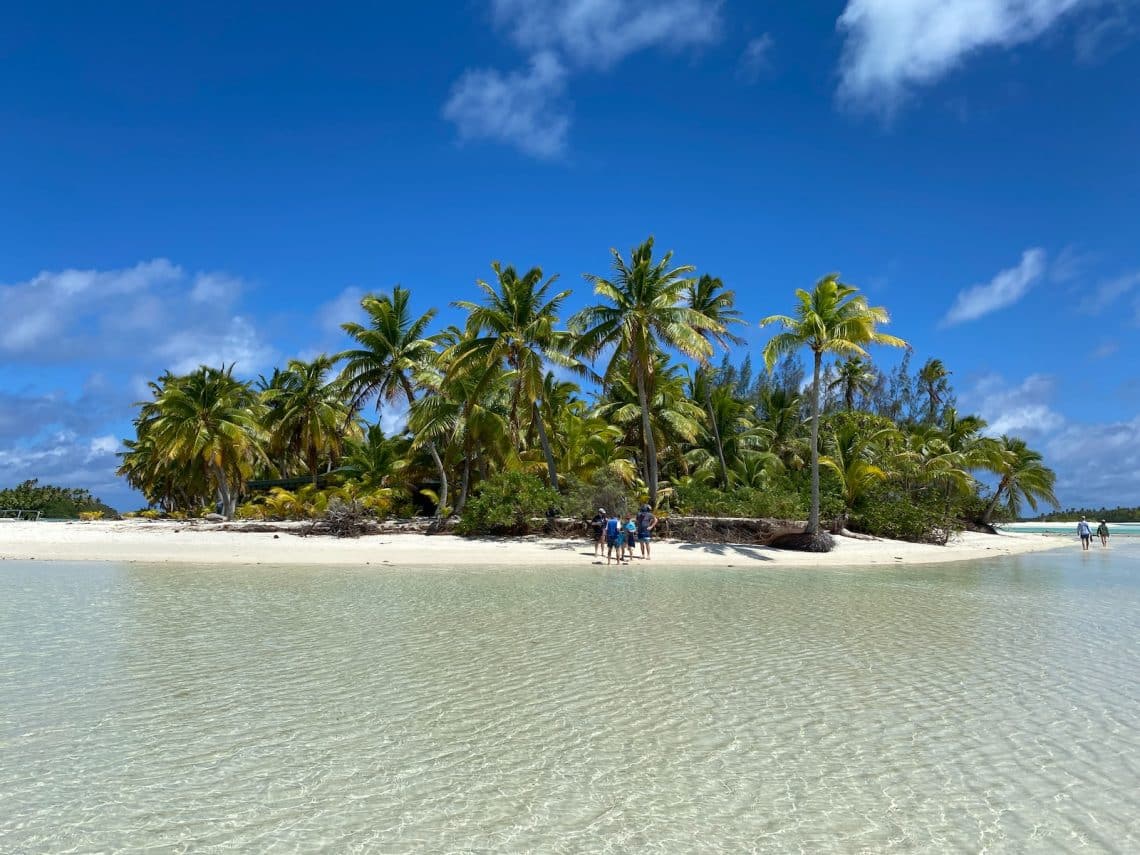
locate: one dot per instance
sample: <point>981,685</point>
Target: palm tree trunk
<point>541,428</point>
<point>464,482</point>
<point>411,396</point>
<point>225,496</point>
<point>813,517</point>
<point>717,439</point>
<point>992,506</point>
<point>647,438</point>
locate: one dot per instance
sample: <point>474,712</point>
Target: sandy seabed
<point>203,543</point>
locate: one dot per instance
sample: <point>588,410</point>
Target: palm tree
<point>674,418</point>
<point>468,411</point>
<point>731,430</point>
<point>932,377</point>
<point>391,361</point>
<point>644,309</point>
<point>373,460</point>
<point>832,318</point>
<point>515,327</point>
<point>307,414</point>
<point>1023,478</point>
<point>780,418</point>
<point>854,375</point>
<point>708,297</point>
<point>853,454</point>
<point>208,420</point>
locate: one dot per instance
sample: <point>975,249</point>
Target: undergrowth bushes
<point>505,504</point>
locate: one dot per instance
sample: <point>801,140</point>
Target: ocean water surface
<point>984,706</point>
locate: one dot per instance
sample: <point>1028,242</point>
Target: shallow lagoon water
<point>978,706</point>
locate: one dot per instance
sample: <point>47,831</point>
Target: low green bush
<point>505,504</point>
<point>604,490</point>
<point>780,500</point>
<point>891,512</point>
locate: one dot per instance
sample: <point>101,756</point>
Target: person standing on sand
<point>598,529</point>
<point>613,538</point>
<point>646,522</point>
<point>630,529</point>
<point>1102,531</point>
<point>1085,532</point>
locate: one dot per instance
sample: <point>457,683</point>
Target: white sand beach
<point>203,543</point>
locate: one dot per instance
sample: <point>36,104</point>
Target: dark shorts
<point>643,535</point>
<point>611,542</point>
<point>598,534</point>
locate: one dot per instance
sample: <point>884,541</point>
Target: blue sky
<point>209,182</point>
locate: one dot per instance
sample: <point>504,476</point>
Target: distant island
<point>1116,515</point>
<point>66,503</point>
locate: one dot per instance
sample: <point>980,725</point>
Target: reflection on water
<point>956,707</point>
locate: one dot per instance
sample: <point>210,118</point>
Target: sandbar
<point>202,543</point>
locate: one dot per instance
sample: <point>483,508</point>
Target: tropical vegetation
<point>53,502</point>
<point>523,410</point>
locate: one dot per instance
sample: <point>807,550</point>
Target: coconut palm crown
<point>643,310</point>
<point>831,318</point>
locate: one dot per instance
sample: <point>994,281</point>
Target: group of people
<point>1085,532</point>
<point>616,533</point>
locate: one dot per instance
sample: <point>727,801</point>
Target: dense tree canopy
<point>623,399</point>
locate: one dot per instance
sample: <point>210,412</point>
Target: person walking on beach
<point>598,529</point>
<point>646,522</point>
<point>1085,532</point>
<point>1102,532</point>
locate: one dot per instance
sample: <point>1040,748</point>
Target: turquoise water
<point>978,706</point>
<point>1130,529</point>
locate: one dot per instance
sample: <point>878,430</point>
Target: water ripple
<point>974,708</point>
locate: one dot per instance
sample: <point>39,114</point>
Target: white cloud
<point>39,310</point>
<point>237,342</point>
<point>1021,410</point>
<point>215,288</point>
<point>341,309</point>
<point>601,33</point>
<point>67,460</point>
<point>154,313</point>
<point>103,445</point>
<point>393,418</point>
<point>1098,40</point>
<point>1003,290</point>
<point>526,108</point>
<point>1097,464</point>
<point>756,58</point>
<point>1106,349</point>
<point>521,108</point>
<point>895,46</point>
<point>1109,293</point>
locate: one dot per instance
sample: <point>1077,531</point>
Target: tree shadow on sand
<point>726,549</point>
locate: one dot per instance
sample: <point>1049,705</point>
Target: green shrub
<point>249,511</point>
<point>603,490</point>
<point>90,516</point>
<point>505,504</point>
<point>891,512</point>
<point>780,500</point>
